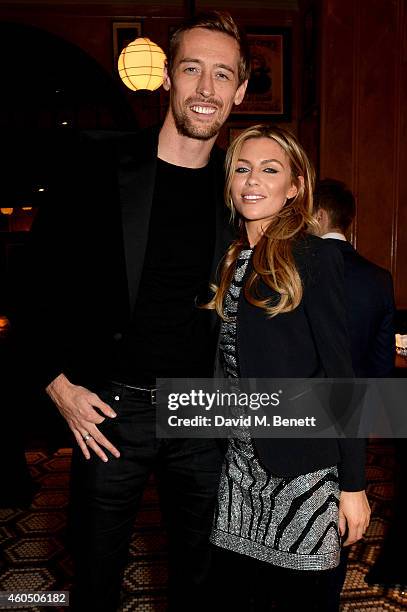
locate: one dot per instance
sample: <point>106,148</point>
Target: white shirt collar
<point>336,235</point>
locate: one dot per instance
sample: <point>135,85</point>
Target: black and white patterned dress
<point>288,522</point>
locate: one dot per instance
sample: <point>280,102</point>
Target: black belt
<point>146,394</point>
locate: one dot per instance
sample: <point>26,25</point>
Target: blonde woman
<point>285,506</point>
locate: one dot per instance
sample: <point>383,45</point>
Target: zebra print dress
<point>288,522</point>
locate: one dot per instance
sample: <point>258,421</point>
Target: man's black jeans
<point>105,498</point>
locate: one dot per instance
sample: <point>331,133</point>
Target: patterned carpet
<point>34,557</point>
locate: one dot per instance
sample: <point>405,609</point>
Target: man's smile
<point>203,110</point>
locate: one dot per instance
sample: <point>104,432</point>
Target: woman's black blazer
<point>310,341</point>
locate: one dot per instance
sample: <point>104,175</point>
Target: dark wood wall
<point>363,122</point>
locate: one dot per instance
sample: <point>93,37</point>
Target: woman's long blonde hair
<point>273,261</point>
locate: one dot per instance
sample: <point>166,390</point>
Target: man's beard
<point>186,127</point>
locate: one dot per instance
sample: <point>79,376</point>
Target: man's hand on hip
<point>77,406</point>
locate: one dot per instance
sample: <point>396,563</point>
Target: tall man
<point>369,298</point>
<point>123,254</point>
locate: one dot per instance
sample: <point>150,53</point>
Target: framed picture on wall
<point>268,95</point>
<point>123,33</point>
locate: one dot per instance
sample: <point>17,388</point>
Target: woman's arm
<point>324,302</point>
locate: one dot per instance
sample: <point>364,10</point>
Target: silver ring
<point>86,437</point>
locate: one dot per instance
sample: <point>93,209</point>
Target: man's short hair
<point>338,201</point>
<point>215,21</point>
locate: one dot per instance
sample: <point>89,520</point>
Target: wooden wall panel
<point>337,57</point>
<point>363,122</point>
<point>375,134</point>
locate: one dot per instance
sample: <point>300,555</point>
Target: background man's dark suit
<point>370,311</point>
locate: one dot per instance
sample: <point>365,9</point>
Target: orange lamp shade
<point>141,65</point>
